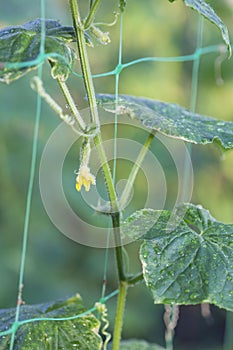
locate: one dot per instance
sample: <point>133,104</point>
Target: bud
<point>102,37</point>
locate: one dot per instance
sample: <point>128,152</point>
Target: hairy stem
<point>114,206</point>
<point>119,315</point>
<point>134,171</point>
<point>107,173</point>
<point>84,61</point>
<point>71,104</point>
<point>97,139</point>
<point>118,247</point>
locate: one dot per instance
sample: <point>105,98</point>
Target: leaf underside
<point>21,45</point>
<point>207,11</point>
<point>79,333</point>
<point>187,258</point>
<point>171,120</point>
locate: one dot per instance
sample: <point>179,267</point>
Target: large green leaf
<point>21,44</point>
<point>186,258</point>
<point>78,333</point>
<point>172,120</point>
<point>134,344</point>
<point>207,11</point>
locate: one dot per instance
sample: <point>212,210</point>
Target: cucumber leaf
<point>172,120</point>
<point>20,49</point>
<point>208,12</point>
<point>191,263</point>
<point>77,333</point>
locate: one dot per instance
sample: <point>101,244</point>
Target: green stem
<point>91,3</point>
<point>92,14</point>
<point>119,315</point>
<point>115,213</point>
<point>97,139</point>
<point>75,121</point>
<point>171,317</point>
<point>106,170</point>
<point>118,247</point>
<point>71,104</point>
<point>114,207</point>
<point>84,61</point>
<point>107,173</point>
<point>135,279</point>
<point>92,101</point>
<point>134,171</point>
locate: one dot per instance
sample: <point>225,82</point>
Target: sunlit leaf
<point>172,120</point>
<point>20,49</point>
<point>78,333</point>
<point>191,262</point>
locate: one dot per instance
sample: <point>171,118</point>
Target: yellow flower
<point>84,178</point>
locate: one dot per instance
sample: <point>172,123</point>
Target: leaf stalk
<point>92,14</point>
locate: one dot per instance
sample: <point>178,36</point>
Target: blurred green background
<point>57,266</point>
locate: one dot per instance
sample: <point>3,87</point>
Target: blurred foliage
<point>57,266</point>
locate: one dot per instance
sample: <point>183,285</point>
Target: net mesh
<point>194,58</point>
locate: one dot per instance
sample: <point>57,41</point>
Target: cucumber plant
<point>186,254</point>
